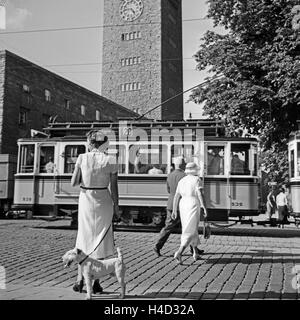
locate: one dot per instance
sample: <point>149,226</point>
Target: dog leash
<point>96,246</point>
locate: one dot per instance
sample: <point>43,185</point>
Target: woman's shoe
<point>96,287</point>
<point>78,286</point>
<point>177,257</point>
<point>196,256</point>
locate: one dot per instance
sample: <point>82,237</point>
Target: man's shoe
<point>157,251</point>
<point>198,251</point>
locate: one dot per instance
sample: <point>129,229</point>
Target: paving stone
<point>254,265</point>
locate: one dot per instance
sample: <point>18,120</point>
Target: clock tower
<point>142,56</point>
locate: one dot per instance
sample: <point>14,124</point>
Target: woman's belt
<point>92,188</point>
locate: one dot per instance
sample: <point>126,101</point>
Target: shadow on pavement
<point>256,295</point>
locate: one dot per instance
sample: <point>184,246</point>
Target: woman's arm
<point>115,192</point>
<point>175,205</point>
<point>200,195</point>
<point>76,177</point>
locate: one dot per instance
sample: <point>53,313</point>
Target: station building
<point>31,96</point>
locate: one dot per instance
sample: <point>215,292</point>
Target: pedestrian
<point>271,203</point>
<point>282,207</point>
<point>190,199</point>
<point>171,224</point>
<point>49,167</point>
<point>94,172</point>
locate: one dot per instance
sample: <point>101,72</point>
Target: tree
<point>255,72</point>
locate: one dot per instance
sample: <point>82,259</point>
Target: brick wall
<point>19,72</point>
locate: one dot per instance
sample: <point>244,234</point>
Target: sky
<point>76,54</point>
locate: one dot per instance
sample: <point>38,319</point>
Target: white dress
<point>95,208</point>
<point>189,208</point>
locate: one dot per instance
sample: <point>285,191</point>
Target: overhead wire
<point>91,27</point>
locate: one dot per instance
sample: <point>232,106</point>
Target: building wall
<point>151,47</point>
<point>20,72</point>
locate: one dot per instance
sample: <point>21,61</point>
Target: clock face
<point>131,9</point>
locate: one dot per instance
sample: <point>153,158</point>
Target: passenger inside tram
<point>237,165</point>
<point>49,167</point>
<point>155,170</point>
<point>215,161</point>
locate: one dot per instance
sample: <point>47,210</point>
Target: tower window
<point>130,61</point>
<point>131,86</point>
<point>131,36</point>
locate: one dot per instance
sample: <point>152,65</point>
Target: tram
<point>294,173</point>
<point>229,167</point>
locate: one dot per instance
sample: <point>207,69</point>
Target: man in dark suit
<point>170,225</point>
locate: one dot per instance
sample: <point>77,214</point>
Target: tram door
<point>25,177</point>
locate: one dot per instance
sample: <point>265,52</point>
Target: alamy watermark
<point>2,278</point>
<point>296,278</point>
<point>151,146</point>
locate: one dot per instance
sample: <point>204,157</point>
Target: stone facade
<point>24,106</point>
<point>154,40</point>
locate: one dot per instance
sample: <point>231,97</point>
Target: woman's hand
<point>174,215</point>
<point>116,212</point>
<point>204,212</point>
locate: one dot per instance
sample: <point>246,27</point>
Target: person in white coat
<point>95,171</point>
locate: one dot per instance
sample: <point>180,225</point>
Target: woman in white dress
<point>190,199</point>
<point>95,172</point>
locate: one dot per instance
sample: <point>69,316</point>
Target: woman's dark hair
<point>93,139</point>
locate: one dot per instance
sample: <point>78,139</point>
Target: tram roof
<point>210,127</point>
<point>83,138</point>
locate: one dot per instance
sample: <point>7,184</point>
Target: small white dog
<point>93,269</point>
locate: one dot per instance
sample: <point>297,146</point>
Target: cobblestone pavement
<point>239,263</point>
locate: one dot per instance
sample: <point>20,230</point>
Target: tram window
<point>292,163</point>
<point>47,159</point>
<point>71,154</point>
<point>240,159</point>
<point>148,159</point>
<point>185,151</point>
<point>215,160</point>
<point>298,159</point>
<point>120,153</point>
<point>26,158</point>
